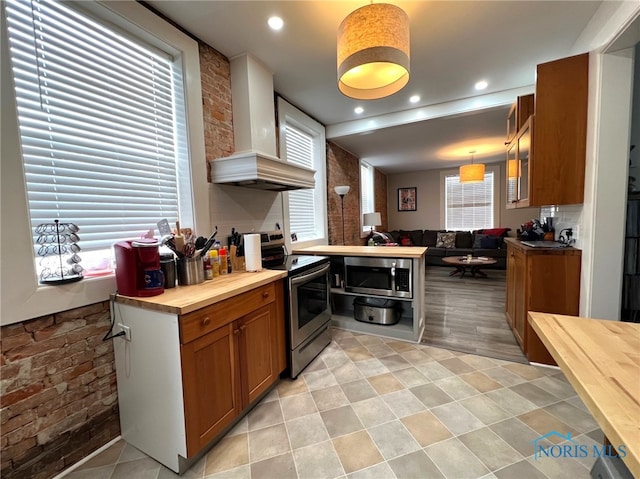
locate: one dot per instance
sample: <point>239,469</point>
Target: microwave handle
<point>306,277</point>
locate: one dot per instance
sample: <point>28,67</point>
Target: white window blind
<point>97,117</point>
<point>302,209</point>
<point>468,206</point>
<point>367,198</point>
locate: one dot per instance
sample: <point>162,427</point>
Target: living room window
<point>102,127</point>
<point>302,141</point>
<point>469,206</point>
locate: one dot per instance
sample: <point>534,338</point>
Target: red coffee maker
<point>138,270</point>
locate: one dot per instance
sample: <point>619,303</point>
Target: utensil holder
<point>190,271</point>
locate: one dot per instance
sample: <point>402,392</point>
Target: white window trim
<point>286,111</point>
<point>21,296</point>
<point>497,186</point>
<point>365,231</point>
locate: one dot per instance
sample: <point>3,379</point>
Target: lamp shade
<point>472,173</point>
<point>372,219</point>
<point>342,190</point>
<point>373,52</point>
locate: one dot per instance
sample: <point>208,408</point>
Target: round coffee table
<point>463,265</point>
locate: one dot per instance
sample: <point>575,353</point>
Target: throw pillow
<point>464,239</point>
<point>477,240</point>
<point>496,231</point>
<point>490,242</point>
<point>446,240</point>
<point>430,237</point>
<point>405,240</point>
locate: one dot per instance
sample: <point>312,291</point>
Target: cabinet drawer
<point>205,320</point>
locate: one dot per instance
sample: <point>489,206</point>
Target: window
<point>101,125</point>
<point>469,206</point>
<point>367,197</point>
<point>302,141</point>
<point>29,299</point>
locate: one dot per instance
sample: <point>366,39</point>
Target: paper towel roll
<point>252,253</point>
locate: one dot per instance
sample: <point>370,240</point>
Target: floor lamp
<point>342,190</point>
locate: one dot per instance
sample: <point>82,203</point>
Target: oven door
<point>308,303</point>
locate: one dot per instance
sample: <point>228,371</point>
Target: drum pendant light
<point>373,52</point>
<point>473,172</point>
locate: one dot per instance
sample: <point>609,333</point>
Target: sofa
<point>441,243</point>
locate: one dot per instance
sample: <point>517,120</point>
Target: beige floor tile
<point>101,472</point>
<point>431,395</point>
<point>455,461</point>
<point>319,460</point>
<point>289,387</point>
<point>319,379</point>
<point>434,370</point>
<point>417,356</point>
<point>511,402</point>
<point>380,350</point>
<point>415,465</point>
<point>401,346</point>
<point>426,428</point>
<point>485,409</point>
<point>378,471</point>
<point>107,457</point>
<point>557,387</point>
<point>456,418</point>
<point>357,451</point>
<point>518,435</point>
<point>456,387</point>
<point>438,353</point>
<point>145,468</point>
<point>393,439</point>
<point>335,359</point>
<point>560,468</point>
<point>371,367</point>
<point>504,376</point>
<point>403,403</point>
<point>280,467</point>
<point>349,343</point>
<point>395,362</point>
<point>478,362</point>
<point>229,453</point>
<point>298,405</point>
<point>373,411</point>
<point>341,421</point>
<point>306,430</point>
<point>329,398</point>
<point>359,354</point>
<point>492,450</point>
<point>264,415</point>
<point>130,453</point>
<point>522,469</point>
<point>268,442</point>
<point>527,371</point>
<point>411,377</point>
<point>385,383</point>
<point>542,422</point>
<point>347,373</point>
<point>358,390</point>
<point>534,394</point>
<point>575,417</point>
<point>481,381</point>
<point>456,365</point>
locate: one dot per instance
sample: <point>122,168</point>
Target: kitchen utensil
<point>178,238</point>
<point>208,244</point>
<point>190,271</point>
<point>200,242</point>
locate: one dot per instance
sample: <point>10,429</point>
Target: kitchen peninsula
<point>412,319</point>
<point>195,359</point>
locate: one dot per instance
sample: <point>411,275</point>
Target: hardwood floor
<point>467,314</point>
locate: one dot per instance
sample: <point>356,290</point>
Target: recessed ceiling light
<point>414,99</point>
<point>275,23</point>
<point>481,85</point>
<point>358,110</point>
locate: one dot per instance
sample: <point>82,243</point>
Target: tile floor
<point>370,407</point>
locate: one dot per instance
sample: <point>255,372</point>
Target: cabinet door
<point>519,299</point>
<point>513,173</point>
<point>211,389</point>
<point>511,287</point>
<point>258,361</point>
<point>524,163</point>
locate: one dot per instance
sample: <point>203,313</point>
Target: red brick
<point>68,424</point>
<point>59,329</point>
<point>18,451</point>
<point>11,330</point>
<point>38,323</point>
<point>78,370</point>
<point>20,394</point>
<point>18,421</point>
<point>16,341</point>
<point>32,402</point>
<point>50,419</point>
<point>20,434</point>
<point>78,312</point>
<point>48,357</point>
<point>35,348</point>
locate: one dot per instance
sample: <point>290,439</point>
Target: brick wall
<point>380,200</point>
<point>343,168</point>
<point>59,400</point>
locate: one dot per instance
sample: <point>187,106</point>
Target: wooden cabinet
<point>519,155</point>
<point>555,168</point>
<point>519,113</point>
<point>231,352</point>
<point>546,280</point>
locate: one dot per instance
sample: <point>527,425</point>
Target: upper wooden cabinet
<point>519,113</point>
<point>558,132</point>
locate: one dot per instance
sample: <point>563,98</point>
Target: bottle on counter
<point>215,265</point>
<point>224,266</point>
<point>206,263</point>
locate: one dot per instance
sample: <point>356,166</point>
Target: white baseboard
<point>89,457</point>
<point>546,366</point>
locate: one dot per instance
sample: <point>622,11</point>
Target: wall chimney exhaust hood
<point>255,164</point>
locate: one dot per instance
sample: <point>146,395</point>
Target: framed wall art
<point>407,200</point>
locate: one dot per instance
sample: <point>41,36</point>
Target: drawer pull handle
<point>206,321</point>
<point>242,328</point>
<point>265,294</point>
<point>236,332</point>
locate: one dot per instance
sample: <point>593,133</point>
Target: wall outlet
<point>126,330</point>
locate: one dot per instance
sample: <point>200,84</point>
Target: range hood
<point>255,164</point>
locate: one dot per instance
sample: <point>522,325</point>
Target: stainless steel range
<point>307,299</point>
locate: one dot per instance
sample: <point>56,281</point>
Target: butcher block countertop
<point>185,299</point>
<point>601,360</point>
<point>370,251</point>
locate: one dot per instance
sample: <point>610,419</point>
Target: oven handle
<point>316,273</point>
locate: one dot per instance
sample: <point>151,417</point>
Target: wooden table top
<point>371,251</point>
<point>462,260</point>
<point>185,299</point>
<point>601,360</point>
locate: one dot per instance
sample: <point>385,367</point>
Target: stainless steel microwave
<point>378,276</point>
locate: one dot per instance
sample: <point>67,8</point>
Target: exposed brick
<point>20,434</point>
<point>32,402</point>
<point>11,330</point>
<point>17,451</point>
<point>48,357</point>
<point>59,329</point>
<point>17,421</point>
<point>20,394</point>
<point>50,419</point>
<point>89,331</point>
<point>35,348</point>
<point>79,312</point>
<point>16,341</point>
<point>67,424</point>
<point>38,323</point>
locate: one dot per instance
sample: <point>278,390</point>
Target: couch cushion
<point>501,232</point>
<point>439,252</point>
<point>430,237</point>
<point>395,234</point>
<point>464,239</point>
<point>460,252</point>
<point>446,240</point>
<point>490,253</point>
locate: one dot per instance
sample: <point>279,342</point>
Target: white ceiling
<point>453,45</point>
